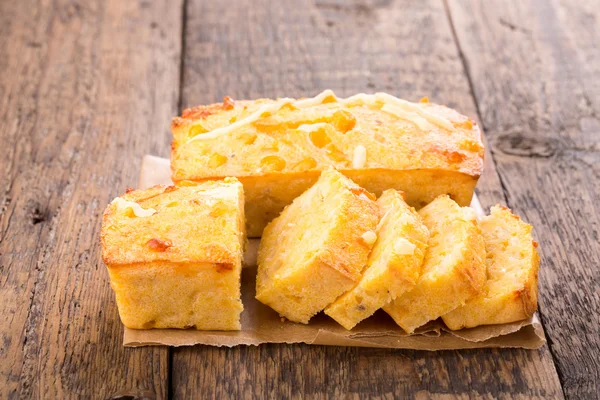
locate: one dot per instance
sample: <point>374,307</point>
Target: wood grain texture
<point>86,88</point>
<point>297,371</point>
<point>284,48</point>
<point>535,67</point>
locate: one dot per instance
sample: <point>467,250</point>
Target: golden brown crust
<point>359,209</point>
<point>288,146</point>
<point>188,224</point>
<point>391,142</point>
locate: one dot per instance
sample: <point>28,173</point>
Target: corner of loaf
<point>510,293</point>
<point>174,255</point>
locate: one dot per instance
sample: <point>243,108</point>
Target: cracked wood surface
<point>87,88</point>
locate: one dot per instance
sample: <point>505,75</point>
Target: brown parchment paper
<point>260,324</point>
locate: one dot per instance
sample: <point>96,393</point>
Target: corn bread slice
<point>454,268</point>
<point>394,264</point>
<point>174,255</point>
<point>317,248</point>
<point>510,293</point>
<point>278,148</point>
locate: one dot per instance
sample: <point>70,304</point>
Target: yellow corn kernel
<point>335,153</point>
<point>247,138</point>
<point>219,209</point>
<point>319,138</point>
<point>469,145</point>
<point>187,183</point>
<point>306,164</point>
<point>216,160</point>
<point>272,163</point>
<point>197,130</point>
<point>343,121</point>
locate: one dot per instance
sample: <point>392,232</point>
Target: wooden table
<point>88,87</point>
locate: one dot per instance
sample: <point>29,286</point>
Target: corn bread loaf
<point>277,148</point>
<point>317,248</point>
<point>454,268</point>
<point>174,255</point>
<point>510,293</point>
<point>394,264</point>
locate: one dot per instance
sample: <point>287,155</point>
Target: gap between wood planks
<point>531,71</point>
<point>184,17</point>
<point>502,183</point>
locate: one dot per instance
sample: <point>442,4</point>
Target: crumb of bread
<point>454,268</point>
<point>394,264</point>
<point>510,293</point>
<point>315,251</point>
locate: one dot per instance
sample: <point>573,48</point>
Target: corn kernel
<point>319,138</point>
<point>272,163</point>
<point>306,164</point>
<point>469,145</point>
<point>197,130</point>
<point>187,183</point>
<point>343,121</point>
<point>218,209</point>
<point>247,138</point>
<point>335,153</point>
<point>216,160</point>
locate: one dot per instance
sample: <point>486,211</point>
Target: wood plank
<point>535,67</point>
<point>268,48</point>
<point>86,89</point>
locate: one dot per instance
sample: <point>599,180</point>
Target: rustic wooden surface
<point>87,88</point>
<point>535,72</point>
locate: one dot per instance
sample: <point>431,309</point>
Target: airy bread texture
<point>510,293</point>
<point>394,264</point>
<point>454,268</point>
<point>317,248</point>
<point>278,148</point>
<point>174,255</point>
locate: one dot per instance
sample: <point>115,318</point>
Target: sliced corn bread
<point>277,148</point>
<point>317,248</point>
<point>394,264</point>
<point>174,255</point>
<point>510,293</point>
<point>454,268</point>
